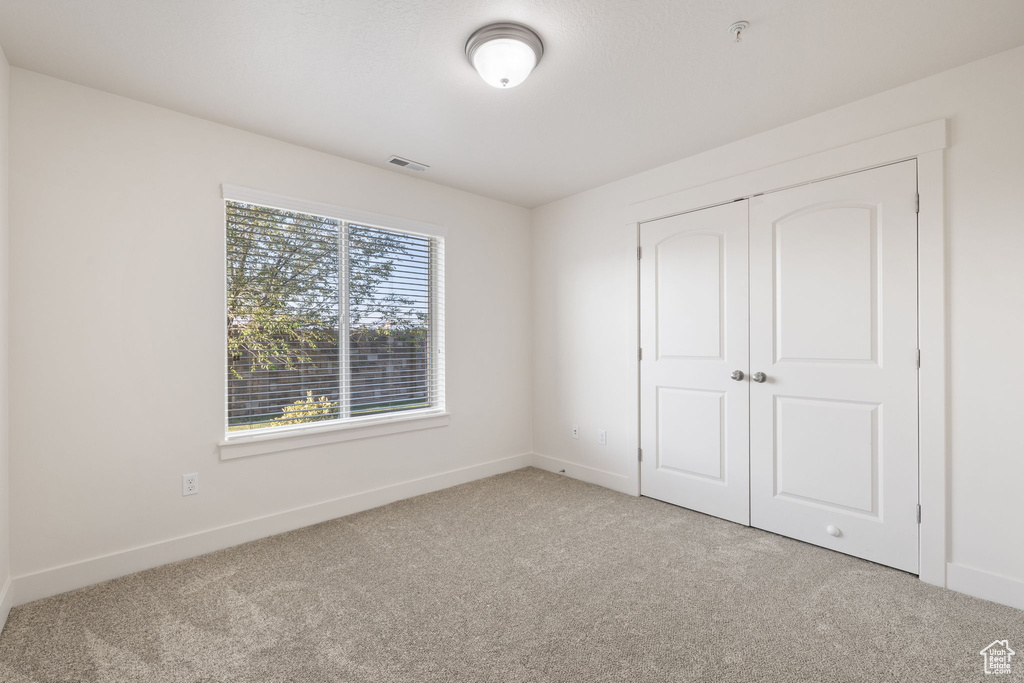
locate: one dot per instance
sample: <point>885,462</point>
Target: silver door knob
<point>759,377</point>
<point>737,375</point>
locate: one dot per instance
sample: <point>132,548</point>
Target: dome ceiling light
<point>504,54</point>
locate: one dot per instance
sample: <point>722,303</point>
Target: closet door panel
<point>694,417</point>
<point>833,325</point>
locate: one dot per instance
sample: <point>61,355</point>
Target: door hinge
<point>918,513</point>
<point>639,455</point>
<point>639,253</point>
<point>917,204</point>
<point>919,358</point>
<point>639,354</point>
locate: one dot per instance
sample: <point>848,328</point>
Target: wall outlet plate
<point>602,437</point>
<point>575,431</point>
<point>190,484</point>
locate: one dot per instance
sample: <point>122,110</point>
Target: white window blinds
<point>329,320</point>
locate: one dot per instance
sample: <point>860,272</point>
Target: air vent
<point>407,163</point>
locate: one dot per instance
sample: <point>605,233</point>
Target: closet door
<point>693,334</point>
<point>833,325</point>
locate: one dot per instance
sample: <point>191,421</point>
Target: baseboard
<point>982,584</point>
<point>47,582</point>
<point>591,475</point>
<point>6,601</point>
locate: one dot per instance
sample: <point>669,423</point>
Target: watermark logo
<point>997,657</point>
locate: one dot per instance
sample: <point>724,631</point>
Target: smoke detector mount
<point>737,28</point>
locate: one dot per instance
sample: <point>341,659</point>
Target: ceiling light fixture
<point>504,54</point>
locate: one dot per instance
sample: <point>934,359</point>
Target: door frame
<point>927,144</point>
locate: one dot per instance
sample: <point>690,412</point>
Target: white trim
<point>591,475</point>
<point>638,465</point>
<point>288,439</point>
<point>47,582</point>
<point>925,143</point>
<point>6,601</point>
<point>367,218</point>
<point>857,156</point>
<point>933,415</point>
<point>985,585</point>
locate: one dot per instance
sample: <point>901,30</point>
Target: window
<point>331,320</point>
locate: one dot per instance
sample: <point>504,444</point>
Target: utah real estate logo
<point>997,657</point>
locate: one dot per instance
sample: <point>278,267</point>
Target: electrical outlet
<point>190,484</point>
<point>602,437</point>
<point>575,431</point>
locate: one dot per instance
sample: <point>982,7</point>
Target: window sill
<point>303,437</point>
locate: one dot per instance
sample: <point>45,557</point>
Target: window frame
<point>274,439</point>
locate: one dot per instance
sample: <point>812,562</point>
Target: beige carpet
<point>527,576</point>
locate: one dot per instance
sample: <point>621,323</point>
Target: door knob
<point>759,377</point>
<point>737,375</point>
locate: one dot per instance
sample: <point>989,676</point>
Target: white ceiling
<point>624,85</point>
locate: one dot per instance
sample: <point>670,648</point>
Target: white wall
<point>584,299</point>
<point>5,537</point>
<point>117,339</point>
<point>116,248</point>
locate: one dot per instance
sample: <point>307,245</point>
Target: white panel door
<point>833,326</point>
<point>693,332</point>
